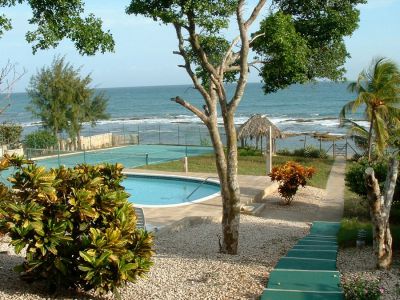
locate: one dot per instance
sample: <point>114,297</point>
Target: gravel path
<point>304,208</point>
<point>353,262</point>
<point>188,265</point>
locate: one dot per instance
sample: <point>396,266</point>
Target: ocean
<point>311,107</point>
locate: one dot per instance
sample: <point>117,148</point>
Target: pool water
<point>150,190</point>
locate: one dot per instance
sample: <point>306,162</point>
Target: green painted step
<point>300,295</point>
<point>305,280</point>
<point>316,247</point>
<point>323,254</point>
<point>290,263</point>
<point>325,228</point>
<point>315,242</point>
<point>320,236</point>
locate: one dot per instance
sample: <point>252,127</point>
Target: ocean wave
<point>283,122</point>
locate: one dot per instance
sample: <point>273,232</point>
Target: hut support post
<point>269,151</point>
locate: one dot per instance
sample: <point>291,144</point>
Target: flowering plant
<point>359,288</point>
<point>290,176</point>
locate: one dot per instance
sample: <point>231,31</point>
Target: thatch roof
<point>258,126</point>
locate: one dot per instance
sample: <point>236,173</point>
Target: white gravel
<point>353,262</point>
<point>304,207</point>
<point>188,265</point>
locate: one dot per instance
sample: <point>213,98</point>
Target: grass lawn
<point>251,165</point>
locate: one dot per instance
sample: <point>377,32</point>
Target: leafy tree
<point>63,100</point>
<point>296,42</point>
<point>378,89</point>
<point>59,19</point>
<point>86,106</point>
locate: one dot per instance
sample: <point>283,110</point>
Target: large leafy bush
<point>76,224</point>
<point>290,176</point>
<point>355,173</point>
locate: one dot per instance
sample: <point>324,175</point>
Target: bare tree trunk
<point>231,203</point>
<point>380,205</point>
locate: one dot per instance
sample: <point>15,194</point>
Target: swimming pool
<point>166,191</point>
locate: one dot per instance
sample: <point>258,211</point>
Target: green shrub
<point>76,224</point>
<point>40,139</point>
<point>249,151</point>
<point>347,235</point>
<point>354,176</point>
<point>10,134</point>
<point>290,176</point>
<point>284,152</point>
<point>362,289</point>
<point>308,152</point>
<point>299,152</point>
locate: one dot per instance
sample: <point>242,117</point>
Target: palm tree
<point>378,88</point>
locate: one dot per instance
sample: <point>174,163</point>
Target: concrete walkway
<point>331,209</point>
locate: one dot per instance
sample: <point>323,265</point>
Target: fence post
<point>147,159</point>
<point>178,136</point>
<point>333,148</point>
<point>84,153</point>
<point>305,141</point>
<point>58,153</point>
<point>185,164</point>
<point>320,144</point>
<point>159,134</point>
<point>200,136</point>
<point>346,148</point>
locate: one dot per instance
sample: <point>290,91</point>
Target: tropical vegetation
<point>63,100</point>
<point>378,89</point>
<point>56,20</point>
<point>76,224</point>
<point>294,43</point>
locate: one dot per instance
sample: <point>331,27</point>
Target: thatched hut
<point>257,127</point>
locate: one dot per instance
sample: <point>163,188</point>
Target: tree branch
<point>243,64</point>
<point>256,37</point>
<point>255,13</point>
<point>250,64</point>
<point>228,54</point>
<point>390,183</point>
<point>187,66</point>
<point>194,41</point>
<point>192,108</point>
<point>8,78</point>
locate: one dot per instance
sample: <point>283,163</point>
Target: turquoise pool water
<point>150,190</point>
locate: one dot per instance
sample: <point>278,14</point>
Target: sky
<point>143,53</point>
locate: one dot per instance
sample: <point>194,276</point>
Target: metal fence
<point>175,134</point>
